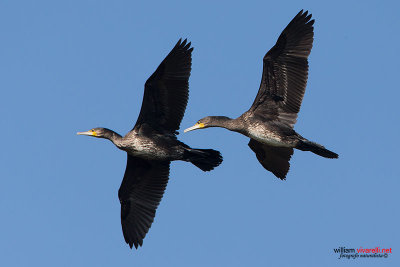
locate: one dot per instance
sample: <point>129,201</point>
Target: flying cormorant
<point>269,121</point>
<point>152,144</point>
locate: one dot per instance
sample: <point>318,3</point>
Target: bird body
<point>267,135</point>
<point>274,133</point>
<point>270,120</point>
<point>152,144</point>
<point>153,147</point>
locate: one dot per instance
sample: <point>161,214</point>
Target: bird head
<point>97,132</point>
<point>210,121</point>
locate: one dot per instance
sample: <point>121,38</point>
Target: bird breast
<point>263,134</point>
<point>150,148</point>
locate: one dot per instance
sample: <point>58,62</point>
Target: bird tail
<point>318,149</point>
<point>205,159</point>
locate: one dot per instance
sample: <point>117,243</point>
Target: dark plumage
<point>270,120</point>
<point>152,144</point>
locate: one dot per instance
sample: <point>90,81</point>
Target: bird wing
<point>166,91</point>
<point>274,159</point>
<point>285,72</point>
<point>140,194</point>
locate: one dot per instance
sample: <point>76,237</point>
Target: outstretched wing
<point>140,194</point>
<point>166,91</point>
<point>274,159</point>
<point>285,72</point>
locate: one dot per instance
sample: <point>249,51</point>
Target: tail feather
<point>205,159</point>
<point>318,149</point>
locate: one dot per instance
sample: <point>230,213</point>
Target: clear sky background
<point>68,66</point>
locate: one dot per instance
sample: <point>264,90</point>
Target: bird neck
<point>227,123</point>
<point>113,137</point>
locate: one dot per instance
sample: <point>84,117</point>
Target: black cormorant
<point>269,121</point>
<point>152,144</point>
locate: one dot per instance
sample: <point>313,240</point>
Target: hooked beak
<point>194,127</point>
<point>89,133</point>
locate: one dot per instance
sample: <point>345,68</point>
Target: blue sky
<point>68,66</point>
